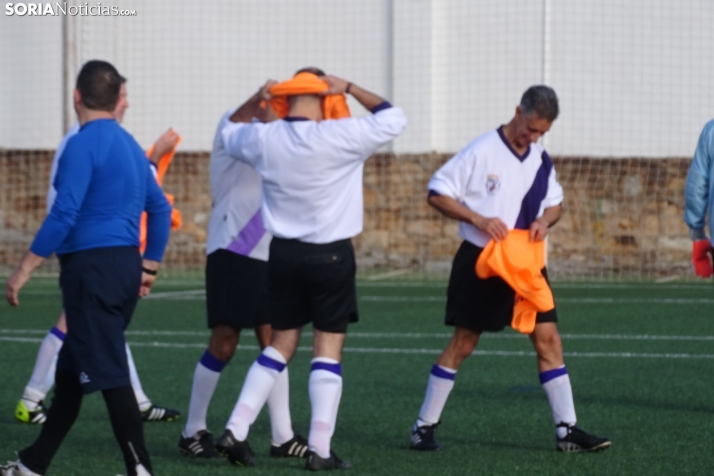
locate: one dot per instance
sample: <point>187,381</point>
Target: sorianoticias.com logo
<point>61,8</point>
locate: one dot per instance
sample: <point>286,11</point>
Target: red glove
<point>702,258</point>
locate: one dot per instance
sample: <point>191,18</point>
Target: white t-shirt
<point>236,223</point>
<point>51,192</point>
<point>490,178</point>
<point>312,171</point>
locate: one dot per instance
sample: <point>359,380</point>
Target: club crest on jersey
<point>493,184</point>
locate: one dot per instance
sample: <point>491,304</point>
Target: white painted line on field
<point>200,294</point>
<point>389,274</point>
<point>408,335</point>
<point>558,300</point>
<point>390,350</point>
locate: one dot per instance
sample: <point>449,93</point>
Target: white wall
<point>635,78</point>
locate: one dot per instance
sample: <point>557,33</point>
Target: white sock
<point>325,387</point>
<point>281,424</point>
<point>258,384</point>
<point>441,381</point>
<point>141,398</point>
<point>556,384</point>
<point>43,375</point>
<point>205,379</point>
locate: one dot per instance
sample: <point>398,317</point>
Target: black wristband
<point>347,89</point>
<point>152,272</point>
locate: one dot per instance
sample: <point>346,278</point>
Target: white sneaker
<point>140,471</point>
<point>16,469</point>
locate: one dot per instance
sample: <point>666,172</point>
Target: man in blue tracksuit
<point>103,184</point>
<point>699,201</point>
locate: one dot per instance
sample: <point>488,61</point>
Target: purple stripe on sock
<point>437,371</point>
<point>549,375</point>
<point>58,333</point>
<point>211,363</point>
<point>334,368</point>
<point>266,361</point>
<point>249,236</point>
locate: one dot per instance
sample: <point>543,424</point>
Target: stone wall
<point>622,218</point>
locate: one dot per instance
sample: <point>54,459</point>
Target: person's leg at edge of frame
<point>128,427</point>
<point>261,379</point>
<point>43,374</point>
<point>221,348</point>
<point>62,414</point>
<point>443,373</point>
<point>325,389</point>
<point>141,397</point>
<point>553,375</point>
<point>281,425</point>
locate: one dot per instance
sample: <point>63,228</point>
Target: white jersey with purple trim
<point>312,171</point>
<point>236,223</point>
<point>51,192</point>
<point>490,178</point>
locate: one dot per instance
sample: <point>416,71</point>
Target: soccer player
<point>30,408</point>
<point>699,201</point>
<point>103,183</point>
<point>312,205</point>
<point>502,180</point>
<point>236,291</point>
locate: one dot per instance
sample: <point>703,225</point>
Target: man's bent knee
<point>462,345</point>
<point>223,342</point>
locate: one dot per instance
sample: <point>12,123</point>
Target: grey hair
<point>542,101</point>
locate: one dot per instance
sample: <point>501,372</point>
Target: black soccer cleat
<point>317,463</point>
<point>422,438</point>
<point>154,413</point>
<point>577,441</point>
<point>200,445</point>
<point>237,452</point>
<point>296,448</point>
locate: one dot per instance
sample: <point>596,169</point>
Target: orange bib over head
<point>334,106</point>
<point>161,167</point>
<point>519,263</point>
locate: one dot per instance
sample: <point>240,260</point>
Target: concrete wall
<point>622,218</point>
<point>634,77</point>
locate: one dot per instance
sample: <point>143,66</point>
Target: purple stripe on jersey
<point>531,202</point>
<point>380,107</point>
<point>295,118</point>
<point>508,144</point>
<point>58,333</point>
<point>434,193</point>
<point>249,236</point>
<point>549,375</point>
<point>437,371</point>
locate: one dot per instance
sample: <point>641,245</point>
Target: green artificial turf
<point>640,358</point>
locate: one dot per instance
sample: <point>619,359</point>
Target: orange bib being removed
<point>519,263</point>
<point>162,167</point>
<point>334,106</point>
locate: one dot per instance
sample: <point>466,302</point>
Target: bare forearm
<point>451,208</point>
<point>551,215</point>
<point>248,110</point>
<point>30,262</point>
<point>367,99</point>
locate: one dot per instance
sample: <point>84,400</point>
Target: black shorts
<point>236,290</point>
<point>312,283</point>
<point>100,289</point>
<point>481,304</point>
